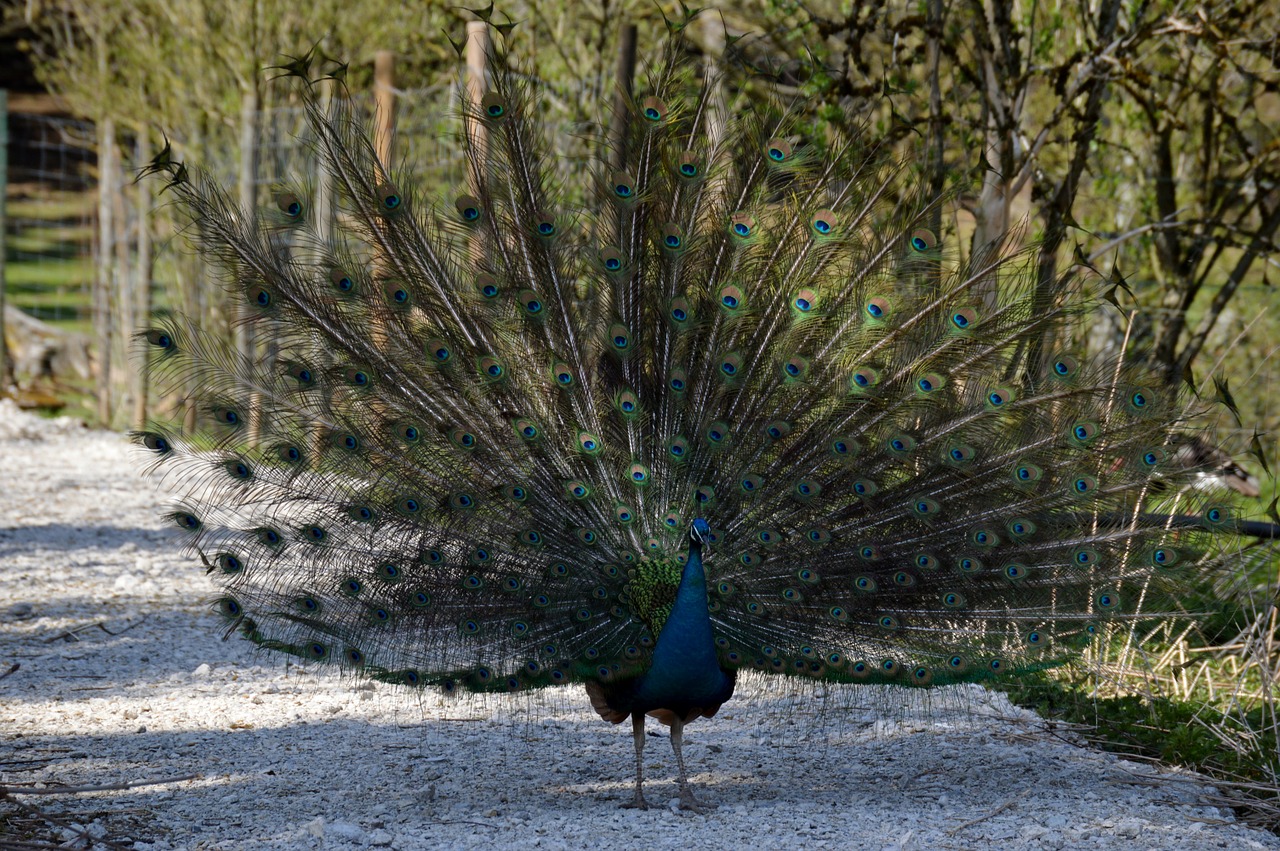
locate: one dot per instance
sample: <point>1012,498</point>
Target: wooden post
<point>6,368</point>
<point>477,52</point>
<point>324,176</point>
<point>245,336</point>
<point>622,97</point>
<point>324,210</point>
<point>122,295</point>
<point>142,286</point>
<point>384,95</point>
<point>102,277</point>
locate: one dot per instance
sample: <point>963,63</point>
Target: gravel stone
<point>289,757</point>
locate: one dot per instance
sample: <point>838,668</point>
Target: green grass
<point>1214,709</point>
<point>49,270</point>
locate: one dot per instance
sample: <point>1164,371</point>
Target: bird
<point>1212,467</point>
<point>721,402</point>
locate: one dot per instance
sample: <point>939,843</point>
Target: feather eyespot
<point>998,397</point>
<point>342,281</point>
<point>863,379</point>
<point>823,223</point>
<point>964,319</point>
<point>845,447</point>
<point>865,488</point>
<point>930,382</point>
<point>689,165</point>
<point>462,439</point>
<point>389,198</point>
<point>1084,432</point>
<point>492,369</point>
<point>289,204</point>
<point>157,443</point>
<point>162,340</point>
<point>493,106</point>
<point>653,109</point>
<point>1064,367</point>
<point>730,365</point>
<point>487,286</point>
<point>398,294</point>
<point>777,429</point>
<point>778,151</point>
<point>623,186</point>
<point>925,561</point>
<point>530,302</point>
<point>923,239</point>
<point>562,373</point>
<point>718,432</point>
<point>680,311</point>
<point>589,443</point>
<point>611,259</point>
<point>620,338</point>
<point>468,207</point>
<point>439,351</point>
<point>794,369</point>
<point>731,298</point>
<point>672,238</point>
<point>1218,516</point>
<point>289,454</point>
<point>627,403</point>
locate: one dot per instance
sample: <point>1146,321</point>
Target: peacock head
<point>700,532</point>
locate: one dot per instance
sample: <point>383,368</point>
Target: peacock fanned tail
<point>471,453</point>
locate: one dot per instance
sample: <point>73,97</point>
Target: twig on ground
<point>105,787</point>
<point>1006,805</point>
<point>71,635</point>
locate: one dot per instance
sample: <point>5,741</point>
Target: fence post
<point>477,51</point>
<point>246,339</point>
<point>6,369</point>
<point>622,97</point>
<point>102,278</point>
<point>477,55</point>
<point>384,95</point>
<point>122,303</point>
<point>142,285</point>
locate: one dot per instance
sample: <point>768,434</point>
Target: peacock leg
<point>637,730</point>
<point>687,800</point>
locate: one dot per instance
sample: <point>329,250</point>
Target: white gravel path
<point>290,758</point>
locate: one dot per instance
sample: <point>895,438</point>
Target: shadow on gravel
<point>67,536</point>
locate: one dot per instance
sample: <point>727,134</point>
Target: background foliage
<point>1132,139</point>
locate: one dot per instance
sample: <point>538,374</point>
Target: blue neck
<point>685,670</point>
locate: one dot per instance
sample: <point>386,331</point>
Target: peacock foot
<point>692,804</point>
<point>636,803</point>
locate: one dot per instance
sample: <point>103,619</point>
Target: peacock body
<point>733,408</point>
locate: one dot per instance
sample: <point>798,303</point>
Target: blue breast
<point>685,671</point>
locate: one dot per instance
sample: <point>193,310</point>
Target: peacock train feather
<point>729,406</point>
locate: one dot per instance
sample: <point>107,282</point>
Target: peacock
<point>720,402</point>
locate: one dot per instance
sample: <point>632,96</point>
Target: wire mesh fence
<point>77,221</point>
